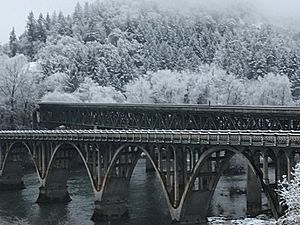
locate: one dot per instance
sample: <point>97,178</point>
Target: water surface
<point>147,204</point>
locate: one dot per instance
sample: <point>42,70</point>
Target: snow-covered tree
<point>48,22</point>
<point>13,43</point>
<point>66,55</point>
<point>31,35</point>
<point>209,84</point>
<point>59,96</point>
<point>289,192</point>
<point>270,90</point>
<point>18,89</point>
<point>55,82</point>
<point>139,91</point>
<point>153,54</point>
<point>89,91</point>
<point>41,29</point>
<point>62,26</point>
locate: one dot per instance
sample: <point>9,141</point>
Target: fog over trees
<point>150,52</point>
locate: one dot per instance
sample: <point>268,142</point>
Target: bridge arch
<point>270,196</point>
<point>138,149</point>
<point>10,149</point>
<point>56,179</point>
<point>58,148</point>
<point>13,167</point>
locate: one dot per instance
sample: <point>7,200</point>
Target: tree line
<point>112,51</point>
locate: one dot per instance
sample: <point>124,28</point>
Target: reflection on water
<point>226,201</point>
<point>147,204</point>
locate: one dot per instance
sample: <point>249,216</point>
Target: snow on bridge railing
<point>203,137</point>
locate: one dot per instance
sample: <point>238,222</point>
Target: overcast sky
<point>13,13</point>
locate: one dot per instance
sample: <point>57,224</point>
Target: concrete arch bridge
<point>188,164</point>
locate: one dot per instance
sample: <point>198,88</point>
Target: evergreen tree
<point>13,43</point>
<point>78,14</point>
<point>63,25</point>
<point>48,22</point>
<point>69,22</point>
<point>41,29</point>
<point>31,35</point>
<point>123,41</point>
<point>86,11</point>
<point>31,28</point>
<point>53,20</point>
<point>78,25</point>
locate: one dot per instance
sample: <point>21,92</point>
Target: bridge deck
<point>204,137</point>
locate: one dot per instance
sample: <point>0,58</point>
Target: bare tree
<point>17,88</point>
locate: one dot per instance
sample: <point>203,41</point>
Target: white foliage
<point>56,81</point>
<point>139,91</point>
<point>12,75</point>
<point>58,96</point>
<point>209,84</point>
<point>270,90</point>
<point>167,87</point>
<point>89,91</point>
<point>289,192</point>
<point>246,221</point>
<point>66,55</point>
<point>19,88</point>
<point>226,89</point>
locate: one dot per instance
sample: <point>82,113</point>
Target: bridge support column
<point>1,159</point>
<point>11,178</point>
<point>113,204</point>
<point>266,169</point>
<point>254,202</point>
<point>196,208</point>
<point>290,165</point>
<point>55,189</point>
<point>149,167</point>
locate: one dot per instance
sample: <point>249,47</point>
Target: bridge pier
<point>254,196</point>
<point>113,203</point>
<point>53,194</point>
<point>55,189</point>
<point>254,201</point>
<point>196,208</point>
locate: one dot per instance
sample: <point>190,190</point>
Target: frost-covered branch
<point>289,192</point>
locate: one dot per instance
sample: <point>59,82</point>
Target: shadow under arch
<point>281,164</point>
<point>138,149</point>
<point>268,191</point>
<point>56,178</point>
<point>294,158</point>
<point>13,165</point>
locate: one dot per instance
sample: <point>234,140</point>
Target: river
<point>147,205</point>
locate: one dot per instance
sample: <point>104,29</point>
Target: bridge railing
<point>203,137</point>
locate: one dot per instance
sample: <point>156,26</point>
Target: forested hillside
<point>114,51</point>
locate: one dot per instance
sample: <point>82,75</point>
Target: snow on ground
<point>246,221</point>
